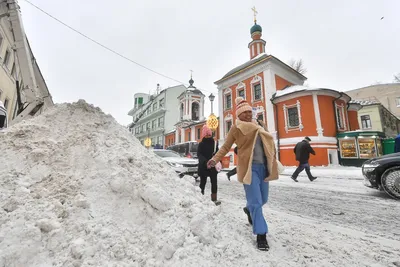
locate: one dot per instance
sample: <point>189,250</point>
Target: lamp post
<point>212,120</point>
<point>211,97</point>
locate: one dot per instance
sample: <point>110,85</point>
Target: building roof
<point>302,88</point>
<point>253,62</point>
<point>255,28</point>
<point>365,102</point>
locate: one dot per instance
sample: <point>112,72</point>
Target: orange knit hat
<point>242,106</point>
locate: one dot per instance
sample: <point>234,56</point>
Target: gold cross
<point>255,14</point>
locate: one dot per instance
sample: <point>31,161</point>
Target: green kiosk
<point>356,147</point>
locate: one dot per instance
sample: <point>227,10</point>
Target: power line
<point>103,46</point>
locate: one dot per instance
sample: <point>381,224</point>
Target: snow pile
<point>76,189</point>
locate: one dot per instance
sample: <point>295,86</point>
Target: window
<point>241,93</point>
<point>366,122</point>
<point>159,140</point>
<point>140,100</point>
<point>161,103</point>
<point>189,136</point>
<point>154,106</point>
<point>398,102</point>
<point>293,114</point>
<point>142,128</point>
<point>198,133</point>
<point>6,58</point>
<point>257,91</point>
<point>339,116</point>
<point>228,126</point>
<point>148,111</point>
<point>161,122</point>
<point>13,70</point>
<point>148,126</point>
<point>1,40</point>
<point>228,101</point>
<point>6,101</point>
<point>153,124</point>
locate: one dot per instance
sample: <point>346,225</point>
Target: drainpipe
<point>277,126</point>
<point>336,122</point>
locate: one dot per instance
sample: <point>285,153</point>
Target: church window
<point>195,111</point>
<point>241,93</point>
<point>292,115</point>
<point>257,91</point>
<point>228,101</point>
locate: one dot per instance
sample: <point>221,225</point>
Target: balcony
<point>151,131</point>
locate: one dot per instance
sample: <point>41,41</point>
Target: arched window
<point>195,111</point>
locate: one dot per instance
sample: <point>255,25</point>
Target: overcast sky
<point>344,43</point>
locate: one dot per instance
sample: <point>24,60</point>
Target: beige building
<point>387,94</point>
<point>373,116</point>
<point>10,69</point>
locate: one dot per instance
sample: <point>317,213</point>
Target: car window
<point>193,147</point>
<point>167,154</point>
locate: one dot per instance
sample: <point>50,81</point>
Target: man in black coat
<point>303,150</point>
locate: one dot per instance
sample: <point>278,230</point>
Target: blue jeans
<point>301,168</point>
<point>257,196</point>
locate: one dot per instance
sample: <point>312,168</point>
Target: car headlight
<point>174,164</point>
<point>371,165</point>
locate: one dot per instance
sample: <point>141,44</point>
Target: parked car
<point>383,173</point>
<point>186,149</point>
<point>182,166</point>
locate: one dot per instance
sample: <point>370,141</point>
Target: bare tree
<point>397,78</point>
<point>298,65</point>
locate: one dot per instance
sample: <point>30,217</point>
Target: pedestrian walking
<point>257,165</point>
<point>205,151</point>
<point>302,150</point>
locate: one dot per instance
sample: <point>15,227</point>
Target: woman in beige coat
<point>257,165</point>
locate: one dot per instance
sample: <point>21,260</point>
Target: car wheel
<point>390,182</point>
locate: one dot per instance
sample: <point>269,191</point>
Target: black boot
<point>248,215</point>
<point>313,178</point>
<point>262,243</point>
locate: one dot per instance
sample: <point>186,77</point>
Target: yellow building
<point>373,116</point>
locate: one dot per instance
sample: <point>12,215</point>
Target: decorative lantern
<point>147,142</point>
<point>212,122</point>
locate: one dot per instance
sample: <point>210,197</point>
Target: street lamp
<point>212,120</point>
<point>211,97</point>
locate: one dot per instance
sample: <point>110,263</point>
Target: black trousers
<point>2,121</point>
<point>302,167</point>
<point>232,172</point>
<point>214,185</point>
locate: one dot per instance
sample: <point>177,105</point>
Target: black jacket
<point>205,152</point>
<point>303,151</point>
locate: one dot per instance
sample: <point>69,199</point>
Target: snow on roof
<point>294,89</point>
<point>364,102</point>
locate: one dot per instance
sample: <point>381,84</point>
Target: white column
<point>193,133</point>
<point>318,122</point>
<point>183,134</point>
<point>269,89</point>
<point>176,136</point>
<point>190,107</point>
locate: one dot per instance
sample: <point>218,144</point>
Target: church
<point>191,117</point>
<point>290,110</point>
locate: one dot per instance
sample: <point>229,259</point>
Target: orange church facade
<point>290,110</point>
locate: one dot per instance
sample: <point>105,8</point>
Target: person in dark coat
<point>303,150</point>
<point>205,151</point>
<point>233,171</point>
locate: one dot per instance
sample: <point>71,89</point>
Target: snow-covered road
<point>334,221</point>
